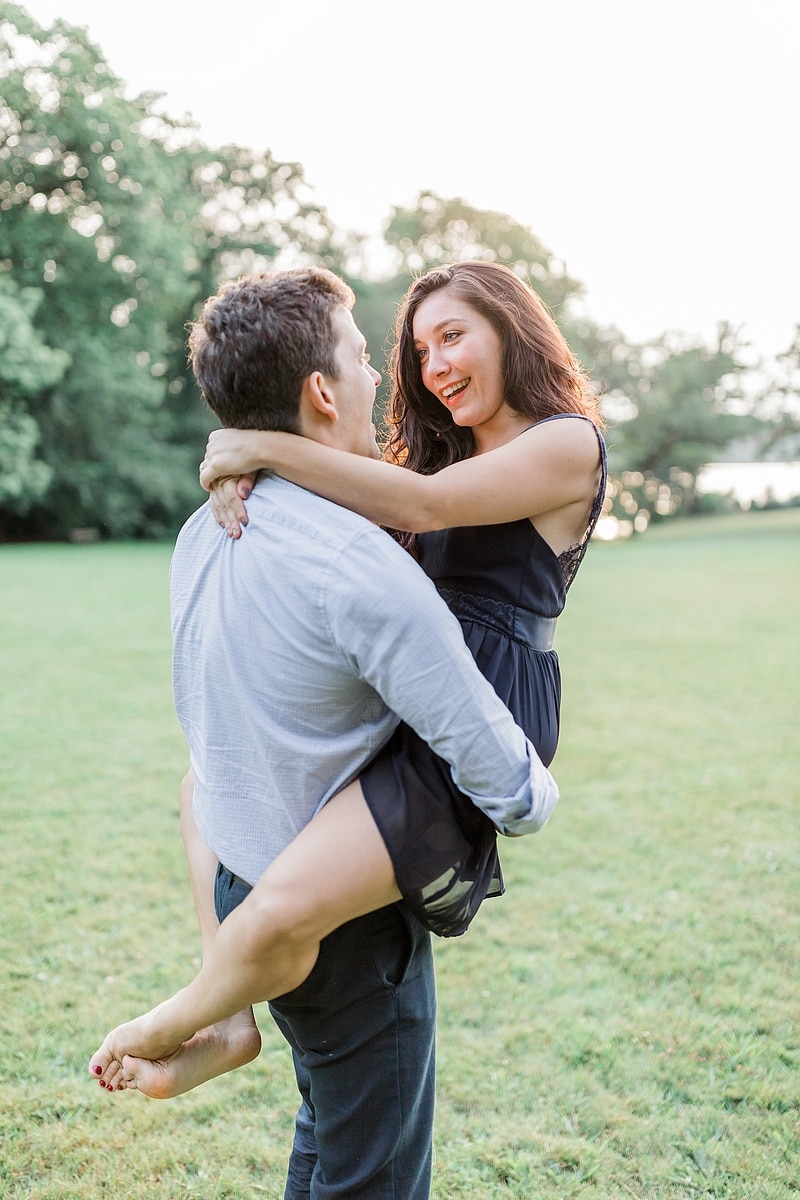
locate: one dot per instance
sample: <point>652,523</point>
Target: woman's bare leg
<point>336,869</point>
<point>230,1043</point>
<point>235,1041</point>
<point>202,864</point>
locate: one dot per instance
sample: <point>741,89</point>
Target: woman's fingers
<point>228,507</point>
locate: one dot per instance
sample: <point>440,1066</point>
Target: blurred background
<point>636,164</point>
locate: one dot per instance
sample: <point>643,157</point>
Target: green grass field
<point>625,1022</point>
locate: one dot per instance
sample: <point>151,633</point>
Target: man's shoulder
<point>355,563</point>
<point>289,525</point>
<point>197,520</point>
<point>200,524</point>
<point>198,537</point>
<point>279,505</point>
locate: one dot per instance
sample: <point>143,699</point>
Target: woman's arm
<point>546,468</point>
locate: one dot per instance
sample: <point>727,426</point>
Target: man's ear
<point>319,396</point>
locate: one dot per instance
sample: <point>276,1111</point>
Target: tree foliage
<point>116,222</point>
<point>435,231</point>
<point>122,222</point>
<point>777,405</point>
<point>682,395</point>
<point>27,367</point>
<point>673,409</point>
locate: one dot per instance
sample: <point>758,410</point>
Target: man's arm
<point>401,637</point>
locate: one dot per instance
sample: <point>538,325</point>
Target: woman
<point>499,427</point>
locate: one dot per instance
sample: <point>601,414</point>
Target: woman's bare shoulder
<point>573,435</point>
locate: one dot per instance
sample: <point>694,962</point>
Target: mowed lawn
<point>625,1022</point>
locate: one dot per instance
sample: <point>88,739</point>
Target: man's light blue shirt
<point>297,649</point>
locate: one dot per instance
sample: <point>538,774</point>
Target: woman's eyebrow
<point>441,325</point>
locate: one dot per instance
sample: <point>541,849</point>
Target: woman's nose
<point>437,364</point>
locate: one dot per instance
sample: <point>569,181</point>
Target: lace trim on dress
<point>519,624</point>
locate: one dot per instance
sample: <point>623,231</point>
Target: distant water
<point>748,483</point>
<point>752,483</point>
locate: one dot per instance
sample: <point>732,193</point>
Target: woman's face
<point>461,358</point>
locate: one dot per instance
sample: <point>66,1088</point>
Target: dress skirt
<point>444,849</point>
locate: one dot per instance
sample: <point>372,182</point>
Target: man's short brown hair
<point>259,337</point>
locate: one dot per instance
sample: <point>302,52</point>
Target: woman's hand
<point>232,452</point>
<point>226,497</point>
<point>228,473</point>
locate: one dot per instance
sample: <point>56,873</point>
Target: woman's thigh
<point>336,869</point>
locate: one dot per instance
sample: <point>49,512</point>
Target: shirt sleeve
<point>397,633</point>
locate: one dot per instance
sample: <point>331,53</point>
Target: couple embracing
<point>364,712</point>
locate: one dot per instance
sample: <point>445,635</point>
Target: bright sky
<point>650,144</point>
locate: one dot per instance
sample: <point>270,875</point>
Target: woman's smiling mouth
<point>449,394</point>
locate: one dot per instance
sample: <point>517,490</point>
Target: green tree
<point>676,407</point>
<point>125,222</point>
<point>777,406</point>
<point>27,367</point>
<point>436,231</point>
<point>93,216</point>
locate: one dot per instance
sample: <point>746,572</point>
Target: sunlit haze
<point>652,147</point>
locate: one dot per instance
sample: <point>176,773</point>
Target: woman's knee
<point>280,920</point>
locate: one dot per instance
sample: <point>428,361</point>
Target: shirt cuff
<point>529,809</point>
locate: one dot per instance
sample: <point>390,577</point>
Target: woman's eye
<point>422,354</point>
<point>450,335</point>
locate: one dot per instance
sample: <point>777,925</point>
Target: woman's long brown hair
<point>541,375</point>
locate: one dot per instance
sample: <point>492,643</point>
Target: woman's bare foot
<point>222,1047</point>
<point>132,1056</point>
<point>144,1036</point>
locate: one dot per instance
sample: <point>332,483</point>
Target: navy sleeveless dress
<point>506,586</point>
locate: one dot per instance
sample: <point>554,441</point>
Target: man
<point>297,650</point>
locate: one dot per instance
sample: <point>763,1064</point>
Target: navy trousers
<point>362,1032</point>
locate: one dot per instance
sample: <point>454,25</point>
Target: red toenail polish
<point>102,1083</point>
<point>98,1070</point>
